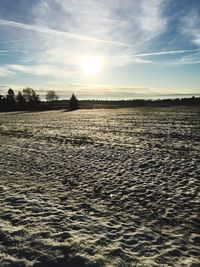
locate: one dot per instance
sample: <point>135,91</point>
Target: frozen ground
<point>96,188</point>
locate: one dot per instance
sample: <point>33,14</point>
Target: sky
<point>105,49</point>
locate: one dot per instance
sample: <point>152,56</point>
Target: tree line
<point>27,99</point>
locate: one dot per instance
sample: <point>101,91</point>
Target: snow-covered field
<point>99,188</point>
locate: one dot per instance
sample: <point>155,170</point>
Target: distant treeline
<point>139,103</point>
<point>27,99</point>
<point>91,104</point>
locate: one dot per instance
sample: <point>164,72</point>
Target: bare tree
<point>51,96</point>
<point>30,97</point>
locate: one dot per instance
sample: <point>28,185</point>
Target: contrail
<point>45,4</point>
<point>10,51</point>
<point>69,35</point>
<point>15,40</point>
<point>166,52</point>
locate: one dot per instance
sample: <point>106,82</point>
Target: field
<point>114,188</point>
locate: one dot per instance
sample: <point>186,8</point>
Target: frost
<point>100,188</point>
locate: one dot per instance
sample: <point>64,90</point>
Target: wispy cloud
<point>186,62</point>
<point>45,4</point>
<point>15,40</point>
<point>172,52</point>
<point>189,59</point>
<point>133,37</point>
<point>190,25</point>
<point>4,71</point>
<point>10,51</point>
<point>36,70</point>
<point>113,29</point>
<point>139,58</point>
<point>151,19</point>
<point>58,33</point>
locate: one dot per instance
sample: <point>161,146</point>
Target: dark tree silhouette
<point>30,97</point>
<point>10,99</point>
<point>1,98</point>
<point>11,95</point>
<point>51,96</point>
<point>20,100</point>
<point>2,103</point>
<point>73,103</point>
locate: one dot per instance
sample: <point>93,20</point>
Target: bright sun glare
<point>91,65</point>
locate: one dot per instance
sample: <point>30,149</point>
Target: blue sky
<point>144,48</point>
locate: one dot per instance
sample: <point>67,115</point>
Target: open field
<point>115,188</point>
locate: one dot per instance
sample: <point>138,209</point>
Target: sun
<point>91,64</point>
